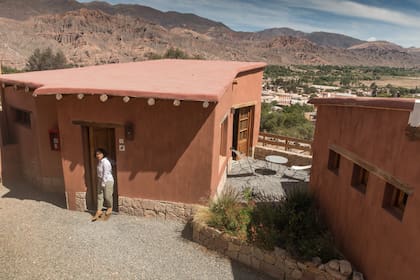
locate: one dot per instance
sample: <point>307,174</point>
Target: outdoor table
<point>276,160</point>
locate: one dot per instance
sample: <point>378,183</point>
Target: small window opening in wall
<point>334,161</point>
<point>22,117</point>
<point>223,137</point>
<point>395,201</point>
<point>360,178</point>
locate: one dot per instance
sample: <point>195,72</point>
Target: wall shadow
<point>243,272</point>
<point>22,190</point>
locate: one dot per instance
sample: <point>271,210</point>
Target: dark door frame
<point>251,127</point>
<point>90,164</point>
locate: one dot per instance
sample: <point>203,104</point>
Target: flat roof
<point>405,104</point>
<point>198,80</point>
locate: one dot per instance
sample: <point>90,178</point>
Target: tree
<point>289,122</point>
<point>8,70</point>
<point>175,53</point>
<point>46,60</point>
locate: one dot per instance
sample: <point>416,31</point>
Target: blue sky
<point>395,21</point>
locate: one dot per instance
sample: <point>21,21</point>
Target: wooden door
<point>243,130</point>
<point>99,137</point>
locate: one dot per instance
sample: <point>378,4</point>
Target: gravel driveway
<point>39,240</point>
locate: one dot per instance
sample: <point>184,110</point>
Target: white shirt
<point>104,170</point>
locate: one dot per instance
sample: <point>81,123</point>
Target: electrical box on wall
<point>54,139</point>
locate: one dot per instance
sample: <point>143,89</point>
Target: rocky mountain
<point>332,39</point>
<point>98,32</point>
<point>378,46</point>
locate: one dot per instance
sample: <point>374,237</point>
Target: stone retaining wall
<point>294,158</point>
<point>278,263</point>
<point>156,209</point>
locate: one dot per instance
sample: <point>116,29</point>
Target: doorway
<point>93,138</point>
<point>243,120</point>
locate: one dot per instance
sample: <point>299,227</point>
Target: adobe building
<point>366,177</point>
<point>168,126</point>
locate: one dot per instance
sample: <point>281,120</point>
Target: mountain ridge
<point>92,36</point>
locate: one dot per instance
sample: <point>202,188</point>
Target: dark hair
<point>102,151</point>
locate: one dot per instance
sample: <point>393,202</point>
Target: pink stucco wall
<point>244,92</point>
<point>169,158</point>
<point>174,155</point>
<point>380,245</point>
<point>28,156</point>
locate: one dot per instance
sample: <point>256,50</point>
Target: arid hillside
<point>98,32</point>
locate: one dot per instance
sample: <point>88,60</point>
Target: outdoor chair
<point>297,170</point>
<point>249,168</point>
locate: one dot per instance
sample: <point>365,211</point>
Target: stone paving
<point>269,182</point>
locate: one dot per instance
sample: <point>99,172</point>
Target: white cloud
<point>371,39</point>
<point>354,9</point>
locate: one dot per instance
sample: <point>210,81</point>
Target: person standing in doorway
<point>105,186</point>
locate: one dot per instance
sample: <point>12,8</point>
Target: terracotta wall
<point>169,158</point>
<point>27,151</point>
<point>248,89</point>
<point>174,155</point>
<point>244,92</point>
<point>380,245</point>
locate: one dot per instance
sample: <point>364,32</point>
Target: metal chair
<point>240,156</point>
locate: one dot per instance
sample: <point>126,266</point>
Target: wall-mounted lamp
<point>129,131</point>
<point>80,96</point>
<point>58,96</point>
<point>26,89</point>
<point>206,104</point>
<point>126,99</point>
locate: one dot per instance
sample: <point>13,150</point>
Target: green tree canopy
<point>9,70</point>
<point>46,60</point>
<point>175,53</point>
<point>289,122</point>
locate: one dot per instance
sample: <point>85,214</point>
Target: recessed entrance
<point>243,130</point>
<point>93,138</point>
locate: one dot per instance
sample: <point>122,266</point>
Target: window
<point>223,137</point>
<point>395,201</point>
<point>334,161</point>
<point>22,117</point>
<point>359,179</point>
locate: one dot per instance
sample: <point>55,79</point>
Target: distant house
<point>168,126</point>
<point>366,177</point>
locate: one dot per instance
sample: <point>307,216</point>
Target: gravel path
<point>39,240</point>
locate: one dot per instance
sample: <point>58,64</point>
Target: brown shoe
<point>108,211</point>
<point>97,215</point>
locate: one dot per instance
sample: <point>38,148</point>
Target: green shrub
<point>293,224</point>
<point>229,214</point>
<point>263,228</point>
<point>302,233</point>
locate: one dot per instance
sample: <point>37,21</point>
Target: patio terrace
<point>269,182</point>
